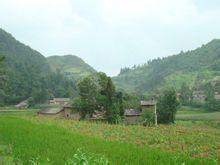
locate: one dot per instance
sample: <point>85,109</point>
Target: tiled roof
<point>132,112</point>
<point>61,99</point>
<point>51,110</point>
<point>151,102</point>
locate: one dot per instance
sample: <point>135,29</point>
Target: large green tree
<point>97,92</point>
<point>167,106</point>
<point>86,102</point>
<point>109,99</point>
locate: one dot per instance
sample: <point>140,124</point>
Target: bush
<point>148,118</point>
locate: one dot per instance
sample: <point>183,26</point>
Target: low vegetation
<point>97,93</point>
<point>70,65</point>
<point>194,138</point>
<point>192,114</point>
<point>57,141</point>
<point>196,68</point>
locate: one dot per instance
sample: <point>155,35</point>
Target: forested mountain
<point>70,65</point>
<point>195,68</point>
<point>28,74</point>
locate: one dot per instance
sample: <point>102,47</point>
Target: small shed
<point>132,116</point>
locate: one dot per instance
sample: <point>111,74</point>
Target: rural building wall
<point>58,115</point>
<point>132,119</point>
<point>75,116</point>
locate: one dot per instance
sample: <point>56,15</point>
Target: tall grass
<point>49,144</point>
<point>189,138</point>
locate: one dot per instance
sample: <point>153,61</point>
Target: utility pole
<point>155,113</point>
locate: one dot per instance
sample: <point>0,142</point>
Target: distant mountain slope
<point>28,74</point>
<point>70,65</point>
<point>21,56</point>
<point>24,66</point>
<point>193,67</point>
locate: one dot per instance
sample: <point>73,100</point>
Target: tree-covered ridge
<point>28,74</point>
<point>19,55</point>
<point>71,65</point>
<point>193,67</point>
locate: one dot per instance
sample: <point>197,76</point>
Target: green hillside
<point>27,73</point>
<point>195,67</point>
<point>19,56</point>
<point>23,67</point>
<point>70,65</point>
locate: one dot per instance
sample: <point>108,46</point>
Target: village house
<point>61,108</point>
<point>199,96</point>
<point>133,116</point>
<point>54,112</point>
<point>60,112</point>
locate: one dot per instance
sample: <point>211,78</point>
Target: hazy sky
<point>110,34</point>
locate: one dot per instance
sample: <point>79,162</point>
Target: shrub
<point>148,118</point>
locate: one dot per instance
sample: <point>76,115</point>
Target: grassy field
<point>27,138</point>
<point>17,112</point>
<point>197,115</point>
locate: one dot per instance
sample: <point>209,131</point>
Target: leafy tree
<point>97,92</point>
<point>86,103</point>
<point>167,106</point>
<point>211,103</point>
<point>148,117</point>
<point>131,101</point>
<point>185,94</point>
<point>124,70</point>
<point>81,106</point>
<point>113,104</point>
<point>119,101</point>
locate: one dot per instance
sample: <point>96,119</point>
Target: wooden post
<point>155,113</point>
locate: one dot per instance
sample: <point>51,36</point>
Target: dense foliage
<point>167,106</point>
<point>71,66</point>
<point>185,94</point>
<point>2,80</point>
<point>195,68</point>
<point>97,92</point>
<point>28,74</point>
